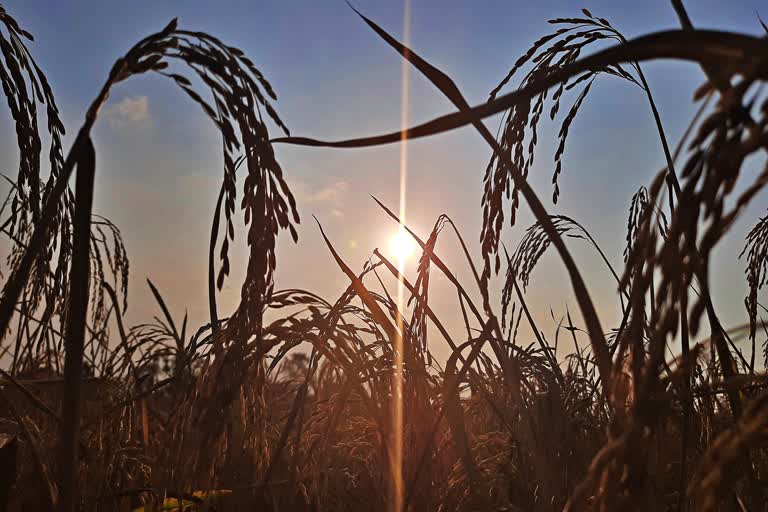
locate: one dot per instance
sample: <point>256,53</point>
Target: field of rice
<point>365,400</point>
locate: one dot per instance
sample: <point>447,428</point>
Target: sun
<point>401,245</point>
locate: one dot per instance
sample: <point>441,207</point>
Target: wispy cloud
<point>330,197</point>
<point>127,112</point>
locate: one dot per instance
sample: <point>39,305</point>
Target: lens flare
<point>403,250</point>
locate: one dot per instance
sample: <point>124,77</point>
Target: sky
<point>159,158</point>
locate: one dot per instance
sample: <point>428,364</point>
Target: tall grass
<point>284,403</point>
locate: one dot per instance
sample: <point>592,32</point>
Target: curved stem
<point>701,46</point>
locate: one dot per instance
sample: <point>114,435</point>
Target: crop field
<point>370,398</point>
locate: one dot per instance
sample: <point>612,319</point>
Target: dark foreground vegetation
<point>286,402</point>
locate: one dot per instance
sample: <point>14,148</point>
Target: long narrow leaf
<point>708,46</point>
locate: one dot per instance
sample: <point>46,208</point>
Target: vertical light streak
<point>397,378</point>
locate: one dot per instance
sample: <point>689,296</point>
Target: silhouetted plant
<point>757,272</point>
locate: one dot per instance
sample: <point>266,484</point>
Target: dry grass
<point>284,403</point>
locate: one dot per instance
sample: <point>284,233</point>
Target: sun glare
<point>401,245</point>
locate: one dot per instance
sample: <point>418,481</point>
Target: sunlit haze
<point>401,245</point>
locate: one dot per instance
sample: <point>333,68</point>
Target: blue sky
<point>158,157</point>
